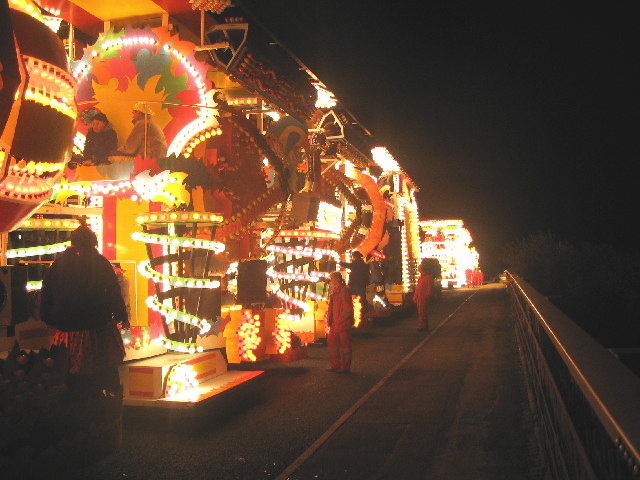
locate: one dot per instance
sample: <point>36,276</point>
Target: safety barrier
<point>586,402</point>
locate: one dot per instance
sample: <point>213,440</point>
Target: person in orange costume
<point>340,322</point>
<point>421,296</point>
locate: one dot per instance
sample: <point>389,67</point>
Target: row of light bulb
<point>304,251</point>
<point>37,251</point>
<point>183,242</point>
<point>147,271</point>
<point>185,217</point>
<point>171,315</point>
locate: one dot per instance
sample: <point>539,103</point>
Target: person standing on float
<point>339,322</point>
<point>146,138</point>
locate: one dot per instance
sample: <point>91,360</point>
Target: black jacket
<point>80,291</point>
<point>358,274</point>
<point>99,145</point>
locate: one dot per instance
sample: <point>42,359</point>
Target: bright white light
<point>384,159</point>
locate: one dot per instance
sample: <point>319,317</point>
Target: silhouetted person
<point>422,294</point>
<point>340,321</point>
<point>358,278</point>
<point>81,299</point>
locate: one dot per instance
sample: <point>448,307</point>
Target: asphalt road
<point>409,410</point>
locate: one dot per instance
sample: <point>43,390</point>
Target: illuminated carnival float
<point>450,242</point>
<point>225,243</point>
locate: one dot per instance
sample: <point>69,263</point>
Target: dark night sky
<point>517,118</point>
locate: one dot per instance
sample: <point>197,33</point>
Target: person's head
<point>83,237</point>
<point>140,110</point>
<point>336,279</point>
<point>422,268</point>
<point>99,122</point>
<point>356,255</point>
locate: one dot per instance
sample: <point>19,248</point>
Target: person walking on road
<point>339,322</point>
<point>421,296</point>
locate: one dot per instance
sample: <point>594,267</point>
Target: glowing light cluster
<point>50,224</point>
<point>148,271</point>
<point>215,6</point>
<point>79,140</point>
<point>230,308</point>
<point>184,242</point>
<point>357,310</point>
<point>50,86</point>
<point>282,333</point>
<point>404,250</point>
<point>35,168</point>
<point>378,299</point>
<point>249,335</point>
<point>152,188</point>
<point>198,138</point>
<point>181,378</point>
<point>28,7</point>
<point>173,315</point>
<point>449,241</point>
<point>325,98</point>
<point>81,70</point>
<point>26,182</point>
<point>37,251</point>
<point>304,251</point>
<point>34,285</point>
<point>384,159</point>
<point>179,217</point>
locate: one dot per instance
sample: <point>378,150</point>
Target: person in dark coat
<point>101,141</point>
<point>82,301</point>
<point>358,278</point>
<point>339,321</point>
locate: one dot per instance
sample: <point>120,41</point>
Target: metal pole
<point>4,242</point>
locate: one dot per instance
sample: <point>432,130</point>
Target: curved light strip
<point>184,242</point>
<point>149,272</point>
<point>206,114</point>
<point>171,315</point>
<point>299,277</point>
<point>307,252</point>
<point>179,217</point>
<point>174,345</point>
<point>312,295</point>
<point>50,86</point>
<point>309,234</point>
<point>49,224</point>
<point>37,251</point>
<point>294,301</point>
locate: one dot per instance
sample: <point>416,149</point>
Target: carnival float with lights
<point>226,243</point>
<point>450,243</point>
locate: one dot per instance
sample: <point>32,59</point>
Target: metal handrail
<point>587,402</point>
